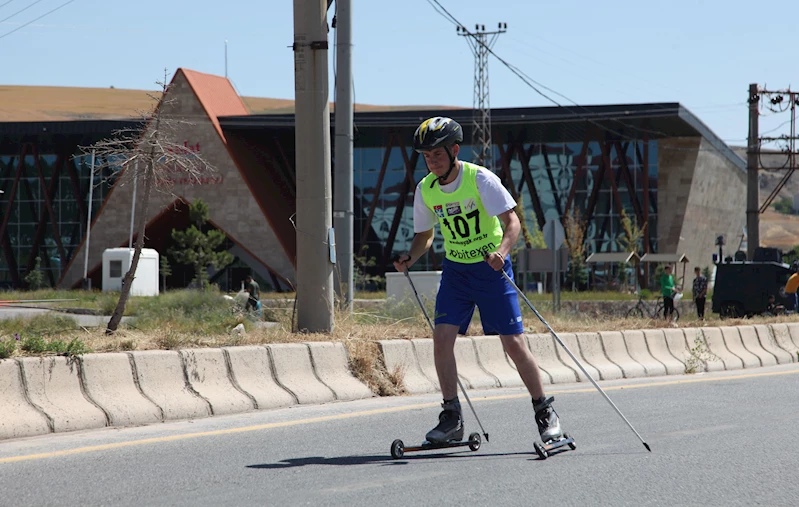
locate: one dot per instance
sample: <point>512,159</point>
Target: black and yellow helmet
<point>436,132</point>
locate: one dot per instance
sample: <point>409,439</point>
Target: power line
<point>21,10</point>
<point>3,5</point>
<point>35,19</point>
<point>536,86</point>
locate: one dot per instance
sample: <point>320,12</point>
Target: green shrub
<point>7,348</point>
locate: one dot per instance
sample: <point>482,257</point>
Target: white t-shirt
<point>495,197</point>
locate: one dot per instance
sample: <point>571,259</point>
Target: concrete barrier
<point>294,371</point>
<point>570,340</point>
<point>208,375</point>
<point>659,349</point>
<point>782,336</point>
<point>593,352</point>
<point>469,365</point>
<point>636,346</point>
<point>492,357</point>
<point>793,330</point>
<point>332,365</point>
<point>616,350</point>
<point>399,356</point>
<point>768,340</point>
<point>717,347</point>
<point>423,348</point>
<point>20,418</point>
<point>251,368</point>
<point>700,351</point>
<point>162,379</point>
<point>108,381</point>
<point>752,344</point>
<point>732,338</point>
<point>678,347</point>
<point>54,385</point>
<point>543,348</point>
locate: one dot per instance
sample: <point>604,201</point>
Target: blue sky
<point>702,53</point>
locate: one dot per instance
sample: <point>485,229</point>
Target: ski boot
<point>450,424</point>
<point>549,428</point>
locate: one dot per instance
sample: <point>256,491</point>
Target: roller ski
<point>446,435</point>
<point>548,423</point>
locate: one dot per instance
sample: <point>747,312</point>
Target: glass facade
<point>29,212</point>
<point>553,168</point>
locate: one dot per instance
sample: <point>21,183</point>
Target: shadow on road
<point>382,459</point>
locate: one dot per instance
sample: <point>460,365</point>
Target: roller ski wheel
<point>398,448</point>
<point>546,450</point>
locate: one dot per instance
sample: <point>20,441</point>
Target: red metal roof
<point>217,96</point>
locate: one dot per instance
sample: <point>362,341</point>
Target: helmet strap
<point>442,179</point>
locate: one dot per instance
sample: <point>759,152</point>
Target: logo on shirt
<point>453,208</point>
<point>439,211</point>
<point>470,204</point>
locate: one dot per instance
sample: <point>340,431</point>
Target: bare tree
<point>153,155</point>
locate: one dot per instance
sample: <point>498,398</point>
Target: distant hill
<point>57,103</point>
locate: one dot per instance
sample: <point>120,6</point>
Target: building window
<point>115,269</point>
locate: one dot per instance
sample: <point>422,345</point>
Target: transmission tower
<point>480,41</point>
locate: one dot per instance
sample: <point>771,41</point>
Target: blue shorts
<point>465,285</point>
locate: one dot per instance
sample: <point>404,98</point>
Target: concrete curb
<point>20,418</point>
<point>732,338</point>
<point>636,346</point>
<point>752,344</point>
<point>543,348</point>
<point>399,356</point>
<point>294,371</point>
<point>616,350</point>
<point>108,381</point>
<point>594,352</point>
<point>469,366</point>
<point>716,345</point>
<point>493,359</point>
<point>570,340</point>
<point>768,339</point>
<point>332,365</point>
<point>252,371</point>
<point>56,394</point>
<point>658,347</point>
<point>207,371</point>
<point>54,386</point>
<point>162,379</point>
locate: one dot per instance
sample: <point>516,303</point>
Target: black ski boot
<point>547,420</point>
<point>450,424</point>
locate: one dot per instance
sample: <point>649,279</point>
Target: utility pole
<point>752,180</point>
<point>776,102</point>
<point>343,193</point>
<point>481,41</point>
<point>314,266</point>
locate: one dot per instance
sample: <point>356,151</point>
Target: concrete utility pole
<point>480,42</point>
<point>314,196</point>
<point>343,193</point>
<point>752,171</point>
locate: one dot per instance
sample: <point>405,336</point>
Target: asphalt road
<point>722,439</point>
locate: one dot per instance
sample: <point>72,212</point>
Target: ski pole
<point>432,328</point>
<point>557,338</point>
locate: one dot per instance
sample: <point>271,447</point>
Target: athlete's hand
<point>401,262</point>
<point>495,260</point>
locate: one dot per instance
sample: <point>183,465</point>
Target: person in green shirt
<point>667,289</point>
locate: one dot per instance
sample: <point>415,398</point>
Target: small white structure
<point>117,261</point>
<point>398,289</point>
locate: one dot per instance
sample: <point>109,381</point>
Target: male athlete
<point>470,205</point>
